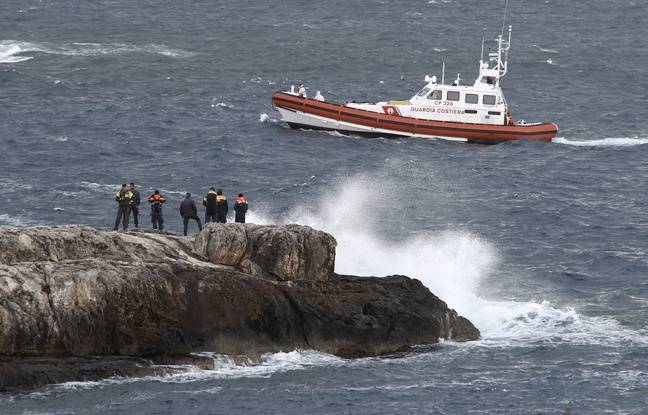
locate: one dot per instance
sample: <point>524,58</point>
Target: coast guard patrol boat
<point>472,113</point>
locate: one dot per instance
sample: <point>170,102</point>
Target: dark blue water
<point>543,245</point>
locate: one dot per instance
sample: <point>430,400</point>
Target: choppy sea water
<point>544,246</point>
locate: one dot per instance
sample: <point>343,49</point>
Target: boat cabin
<point>479,103</point>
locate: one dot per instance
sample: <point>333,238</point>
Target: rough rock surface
<point>276,252</point>
<point>73,293</point>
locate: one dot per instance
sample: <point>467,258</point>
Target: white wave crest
<point>604,142</point>
<point>100,187</point>
<point>10,54</point>
<point>6,219</point>
<point>222,105</point>
<point>271,363</point>
<point>224,368</point>
<point>11,50</point>
<point>554,51</point>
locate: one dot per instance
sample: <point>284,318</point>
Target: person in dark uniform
<point>134,206</point>
<point>188,211</point>
<point>210,202</point>
<point>241,208</point>
<point>156,200</point>
<point>123,197</point>
<point>221,207</point>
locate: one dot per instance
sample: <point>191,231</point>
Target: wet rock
<point>238,290</point>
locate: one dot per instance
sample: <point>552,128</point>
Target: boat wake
<point>12,51</point>
<point>604,142</point>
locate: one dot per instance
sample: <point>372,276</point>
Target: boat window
<point>471,111</point>
<point>489,100</point>
<point>452,96</point>
<point>494,113</point>
<point>423,92</point>
<point>436,94</point>
<point>472,99</point>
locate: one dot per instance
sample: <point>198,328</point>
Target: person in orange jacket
<point>241,208</point>
<point>156,200</point>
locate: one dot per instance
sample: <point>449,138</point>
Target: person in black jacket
<point>240,207</point>
<point>188,211</point>
<point>221,207</point>
<point>134,204</point>
<point>210,202</point>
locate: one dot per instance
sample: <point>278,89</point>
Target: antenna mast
<point>504,19</point>
<point>495,69</point>
<point>443,74</point>
<point>481,57</point>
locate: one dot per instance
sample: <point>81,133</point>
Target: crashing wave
<point>454,264</point>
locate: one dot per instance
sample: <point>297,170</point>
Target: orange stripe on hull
<point>480,133</point>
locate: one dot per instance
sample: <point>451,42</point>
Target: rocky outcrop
<point>75,293</point>
<point>283,253</point>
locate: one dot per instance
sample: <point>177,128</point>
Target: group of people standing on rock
<point>215,202</point>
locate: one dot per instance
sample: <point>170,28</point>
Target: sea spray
<point>454,264</point>
<point>451,263</point>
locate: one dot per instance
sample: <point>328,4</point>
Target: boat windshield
<point>436,94</point>
<point>423,92</point>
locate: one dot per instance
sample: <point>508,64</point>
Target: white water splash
<point>453,264</point>
<point>603,142</point>
<point>263,117</point>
